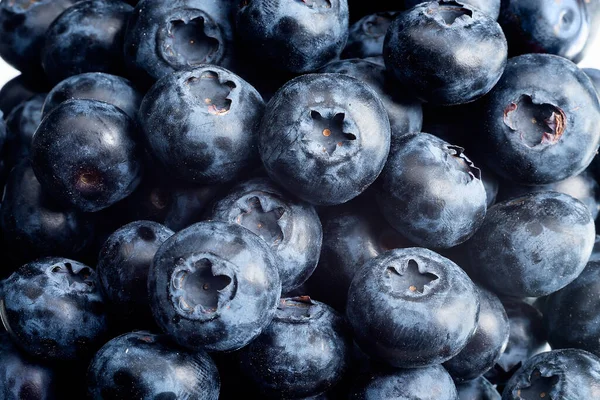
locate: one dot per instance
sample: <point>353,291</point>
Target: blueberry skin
<point>21,377</point>
<point>290,227</point>
<point>404,112</point>
<point>302,353</point>
<point>111,89</point>
<point>21,124</point>
<point>396,302</point>
<point>295,36</point>
<point>562,100</point>
<point>365,36</point>
<point>23,27</point>
<point>487,344</point>
<point>431,192</point>
<point>34,225</point>
<point>539,26</point>
<point>594,75</point>
<point>143,365</point>
<point>596,250</point>
<point>490,7</point>
<point>16,91</point>
<point>467,42</point>
<point>558,374</point>
<point>477,389</point>
<point>53,309</point>
<point>87,37</point>
<point>164,37</point>
<point>239,279</point>
<point>123,266</point>
<point>533,245</point>
<point>332,125</point>
<point>201,124</point>
<point>85,153</point>
<point>583,187</point>
<point>430,383</point>
<point>353,233</point>
<point>577,303</point>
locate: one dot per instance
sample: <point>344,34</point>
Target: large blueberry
<point>431,192</point>
<point>412,308</point>
<point>365,36</point>
<point>142,365</point>
<point>201,124</point>
<point>21,124</point>
<point>214,286</point>
<point>325,137</point>
<point>533,245</point>
<point>468,43</point>
<point>86,153</point>
<point>53,309</point>
<point>540,121</point>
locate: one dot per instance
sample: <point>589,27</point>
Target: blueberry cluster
<point>299,199</point>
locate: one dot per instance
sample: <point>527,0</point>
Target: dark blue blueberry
<point>533,245</point>
<point>34,225</point>
<point>53,309</point>
<point>297,36</point>
<point>558,374</point>
<point>325,137</point>
<point>490,7</point>
<point>467,42</point>
<point>302,353</point>
<point>405,112</point>
<point>85,153</point>
<point>431,383</point>
<point>571,319</point>
<point>431,192</point>
<point>541,26</point>
<point>596,250</point>
<point>365,36</point>
<point>142,365</point>
<point>123,266</point>
<point>87,37</point>
<point>539,122</point>
<point>163,37</point>
<point>16,91</point>
<point>201,124</point>
<point>477,389</point>
<point>487,344</point>
<point>289,226</point>
<point>21,124</point>
<point>23,28</point>
<point>214,286</point>
<point>111,89</point>
<point>412,308</point>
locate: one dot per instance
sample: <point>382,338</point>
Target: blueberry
<point>164,37</point>
<point>53,309</point>
<point>201,124</point>
<point>303,352</point>
<point>214,286</point>
<point>295,36</point>
<point>477,389</point>
<point>123,267</point>
<point>21,124</point>
<point>557,374</point>
<point>445,33</point>
<point>324,137</point>
<point>533,245</point>
<point>412,308</point>
<point>405,113</point>
<point>596,250</point>
<point>365,36</point>
<point>34,225</point>
<point>431,383</point>
<point>112,89</point>
<point>142,365</point>
<point>539,121</point>
<point>87,37</point>
<point>594,75</point>
<point>85,154</point>
<point>290,227</point>
<point>431,192</point>
<point>490,7</point>
<point>487,344</point>
<point>16,91</point>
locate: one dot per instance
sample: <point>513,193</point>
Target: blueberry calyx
<point>298,310</point>
<point>316,3</point>
<point>465,162</point>
<point>448,12</point>
<point>212,91</point>
<point>409,278</point>
<point>329,132</point>
<point>539,386</point>
<point>262,220</point>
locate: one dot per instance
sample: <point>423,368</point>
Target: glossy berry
<point>214,286</point>
<point>53,309</point>
<point>142,365</point>
<point>21,124</point>
<point>490,7</point>
<point>324,137</point>
<point>16,91</point>
<point>398,307</point>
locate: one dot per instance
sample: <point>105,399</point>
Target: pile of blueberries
<point>299,199</point>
